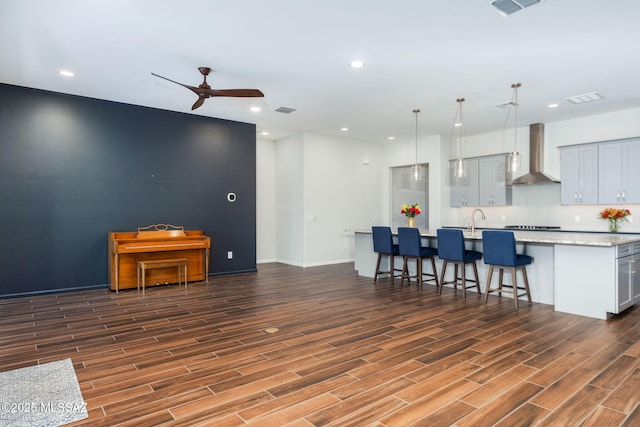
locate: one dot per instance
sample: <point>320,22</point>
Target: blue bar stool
<point>411,248</point>
<point>384,246</point>
<point>451,250</point>
<point>500,252</point>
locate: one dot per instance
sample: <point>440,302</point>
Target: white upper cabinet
<point>485,183</point>
<point>464,190</point>
<point>619,171</point>
<point>579,169</point>
<point>492,185</point>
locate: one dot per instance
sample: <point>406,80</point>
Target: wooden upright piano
<point>154,242</point>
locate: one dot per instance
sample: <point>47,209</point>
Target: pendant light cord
<point>416,111</point>
<point>461,125</point>
<point>513,103</point>
<point>515,87</point>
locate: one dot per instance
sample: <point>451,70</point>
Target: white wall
<point>324,188</point>
<point>265,200</point>
<point>289,200</point>
<point>342,192</point>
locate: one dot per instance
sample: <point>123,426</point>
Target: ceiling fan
<point>204,91</point>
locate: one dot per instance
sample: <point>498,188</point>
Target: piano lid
<point>160,230</point>
<point>158,237</point>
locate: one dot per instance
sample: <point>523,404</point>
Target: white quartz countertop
<point>549,237</point>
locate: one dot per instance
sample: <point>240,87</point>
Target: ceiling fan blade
<point>199,102</point>
<point>239,93</point>
<point>196,90</point>
<point>204,91</point>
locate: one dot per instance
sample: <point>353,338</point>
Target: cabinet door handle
<point>618,195</point>
<point>624,196</point>
<point>575,197</point>
<point>580,196</point>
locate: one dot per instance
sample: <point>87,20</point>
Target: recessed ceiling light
<point>356,64</point>
<point>264,133</point>
<point>256,109</point>
<point>344,129</point>
<point>391,138</point>
<point>553,105</point>
<point>457,125</point>
<point>66,73</point>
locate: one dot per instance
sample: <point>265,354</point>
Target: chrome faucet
<point>473,220</point>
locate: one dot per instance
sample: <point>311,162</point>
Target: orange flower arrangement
<point>614,215</point>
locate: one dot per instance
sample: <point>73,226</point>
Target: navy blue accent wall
<point>72,169</point>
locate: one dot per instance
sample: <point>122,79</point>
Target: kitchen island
<point>589,274</point>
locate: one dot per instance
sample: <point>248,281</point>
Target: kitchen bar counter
<point>575,272</point>
<point>552,237</point>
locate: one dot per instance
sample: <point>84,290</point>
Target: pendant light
<point>416,169</point>
<point>513,160</point>
<point>460,165</point>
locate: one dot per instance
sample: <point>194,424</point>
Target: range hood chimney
<point>536,159</point>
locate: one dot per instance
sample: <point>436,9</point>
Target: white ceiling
<point>418,53</point>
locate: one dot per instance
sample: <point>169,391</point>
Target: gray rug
<point>42,395</point>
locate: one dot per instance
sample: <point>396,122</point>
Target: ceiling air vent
<point>587,97</point>
<point>507,7</point>
<point>285,110</point>
<point>507,104</point>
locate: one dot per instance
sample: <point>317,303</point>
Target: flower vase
<point>411,222</point>
<point>613,225</point>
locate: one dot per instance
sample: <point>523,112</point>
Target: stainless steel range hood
<point>536,159</point>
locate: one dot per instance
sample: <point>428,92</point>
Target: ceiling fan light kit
<point>205,91</point>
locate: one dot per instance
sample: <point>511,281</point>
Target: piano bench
<point>180,263</point>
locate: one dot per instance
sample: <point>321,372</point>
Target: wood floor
<point>347,353</point>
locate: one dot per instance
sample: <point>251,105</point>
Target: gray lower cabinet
<point>628,283</point>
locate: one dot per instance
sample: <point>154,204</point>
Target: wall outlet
<point>229,254</point>
<point>630,218</point>
<point>577,218</point>
<point>503,218</point>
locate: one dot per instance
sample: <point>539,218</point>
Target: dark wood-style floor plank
<point>348,352</point>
